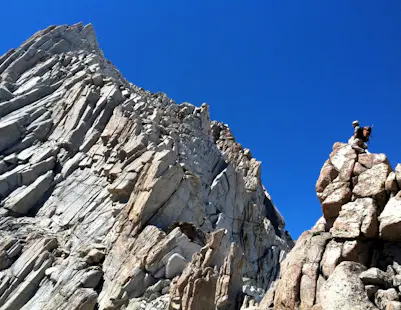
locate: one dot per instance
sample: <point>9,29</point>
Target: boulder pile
<point>351,258</point>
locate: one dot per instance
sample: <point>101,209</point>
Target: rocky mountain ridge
<point>112,197</point>
<point>351,258</point>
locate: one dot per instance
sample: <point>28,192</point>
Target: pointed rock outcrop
<point>110,195</point>
<point>350,258</point>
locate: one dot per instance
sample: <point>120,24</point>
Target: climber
<point>360,137</point>
<point>355,124</point>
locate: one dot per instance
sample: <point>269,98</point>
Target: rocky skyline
<point>113,197</point>
<point>288,80</point>
<point>351,258</point>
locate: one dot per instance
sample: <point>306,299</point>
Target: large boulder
<point>327,174</point>
<point>356,219</point>
<point>333,197</point>
<point>371,183</point>
<point>343,159</point>
<point>343,290</point>
<point>369,160</point>
<point>375,276</point>
<point>338,250</point>
<point>390,220</point>
<point>333,186</point>
<point>331,257</point>
<point>297,285</point>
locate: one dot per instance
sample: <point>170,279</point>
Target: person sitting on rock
<point>360,137</point>
<point>356,126</point>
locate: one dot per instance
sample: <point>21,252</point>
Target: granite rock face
<point>112,197</point>
<point>351,258</point>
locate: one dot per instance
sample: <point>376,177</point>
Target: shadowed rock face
<point>113,197</point>
<point>351,258</point>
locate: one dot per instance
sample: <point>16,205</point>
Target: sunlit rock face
<point>351,258</point>
<point>113,197</point>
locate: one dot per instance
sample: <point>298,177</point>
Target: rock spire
<point>113,197</point>
<point>351,258</point>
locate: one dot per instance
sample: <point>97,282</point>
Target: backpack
<point>359,133</point>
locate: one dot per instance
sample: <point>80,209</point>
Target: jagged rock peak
<point>351,258</point>
<point>113,197</point>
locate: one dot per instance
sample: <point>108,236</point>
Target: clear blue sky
<point>288,77</point>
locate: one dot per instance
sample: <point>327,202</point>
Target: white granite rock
<point>125,185</point>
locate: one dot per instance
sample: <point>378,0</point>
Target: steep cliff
<point>113,197</point>
<point>351,258</point>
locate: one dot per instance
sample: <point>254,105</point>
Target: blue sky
<point>288,77</point>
